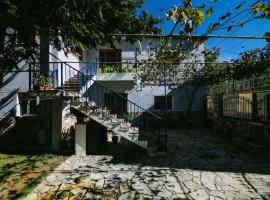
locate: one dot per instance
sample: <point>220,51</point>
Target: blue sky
<point>230,47</point>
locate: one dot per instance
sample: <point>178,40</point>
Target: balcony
<point>110,70</point>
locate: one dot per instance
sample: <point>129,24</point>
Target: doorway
<point>115,103</point>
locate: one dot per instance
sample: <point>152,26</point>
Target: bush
<point>68,138</point>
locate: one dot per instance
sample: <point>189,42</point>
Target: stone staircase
<point>132,130</point>
<point>72,84</point>
<point>116,125</point>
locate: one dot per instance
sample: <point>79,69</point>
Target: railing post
<point>62,76</point>
<point>30,74</point>
<point>268,107</point>
<point>254,107</point>
<point>220,106</point>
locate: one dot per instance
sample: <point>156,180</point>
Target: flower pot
<point>39,87</point>
<point>47,87</point>
<point>114,139</point>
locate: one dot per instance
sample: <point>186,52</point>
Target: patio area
<point>199,165</point>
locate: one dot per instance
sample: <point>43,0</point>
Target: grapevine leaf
<point>209,11</point>
<point>229,28</point>
<point>240,6</point>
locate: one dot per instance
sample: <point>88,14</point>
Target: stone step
<point>83,109</point>
<point>121,120</point>
<point>114,121</point>
<point>142,143</point>
<point>123,129</point>
<point>73,84</point>
<point>134,136</point>
<point>105,117</point>
<point>106,111</point>
<point>134,130</point>
<point>74,103</point>
<point>117,125</point>
<point>114,116</point>
<point>74,78</point>
<point>70,88</point>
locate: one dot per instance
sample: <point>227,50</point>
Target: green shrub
<point>68,138</point>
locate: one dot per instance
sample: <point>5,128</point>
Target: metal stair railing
<point>110,102</point>
<point>124,110</point>
<point>116,104</point>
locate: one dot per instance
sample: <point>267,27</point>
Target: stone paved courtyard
<point>198,166</point>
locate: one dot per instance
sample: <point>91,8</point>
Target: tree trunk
<point>44,55</point>
<point>2,50</point>
<point>190,99</point>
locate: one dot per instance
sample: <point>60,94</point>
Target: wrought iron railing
<point>255,83</point>
<point>237,107</point>
<point>110,67</point>
<point>263,107</point>
<point>253,108</point>
<point>72,81</point>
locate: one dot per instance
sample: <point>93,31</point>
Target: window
<point>110,57</point>
<point>159,103</point>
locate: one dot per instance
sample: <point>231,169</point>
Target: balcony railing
<point>126,65</point>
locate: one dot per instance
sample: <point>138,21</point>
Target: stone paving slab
<point>201,166</point>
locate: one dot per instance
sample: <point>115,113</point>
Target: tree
<point>187,19</point>
<point>177,64</point>
<point>170,63</point>
<point>251,63</point>
<point>71,25</point>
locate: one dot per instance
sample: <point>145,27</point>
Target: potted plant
<point>48,82</point>
<point>42,82</point>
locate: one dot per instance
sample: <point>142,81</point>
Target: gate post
<point>220,105</point>
<point>268,107</point>
<point>254,107</point>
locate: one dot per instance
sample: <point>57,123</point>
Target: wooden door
<point>116,104</point>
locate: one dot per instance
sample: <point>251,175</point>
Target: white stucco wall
<point>55,68</point>
<point>129,50</point>
<point>115,77</point>
<point>144,97</point>
<point>19,82</point>
<point>13,83</point>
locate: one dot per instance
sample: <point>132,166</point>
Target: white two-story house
<point>116,68</point>
<point>106,77</point>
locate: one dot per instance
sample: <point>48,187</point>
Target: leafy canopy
<point>189,18</point>
<point>72,25</point>
<point>165,63</point>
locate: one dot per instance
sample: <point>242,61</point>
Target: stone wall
<point>176,120</point>
<point>257,133</point>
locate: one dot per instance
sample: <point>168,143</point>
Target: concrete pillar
<point>56,122</point>
<point>80,140</point>
<point>268,106</point>
<point>219,103</point>
<point>254,107</point>
<point>18,107</point>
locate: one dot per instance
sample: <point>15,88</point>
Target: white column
<point>18,107</point>
<point>80,140</point>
